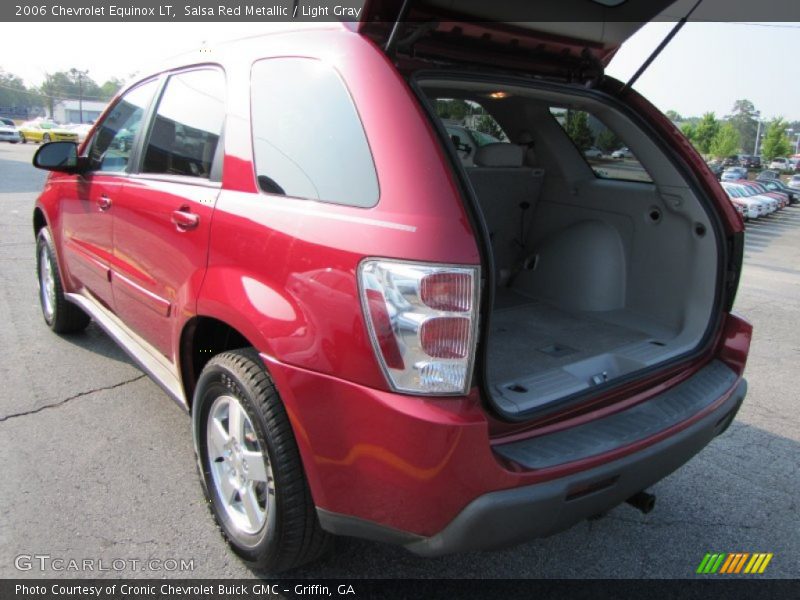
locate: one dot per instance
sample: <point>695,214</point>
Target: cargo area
<point>605,262</point>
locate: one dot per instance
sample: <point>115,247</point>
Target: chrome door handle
<point>104,202</point>
<point>184,220</point>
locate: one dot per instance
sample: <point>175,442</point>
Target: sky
<point>707,67</point>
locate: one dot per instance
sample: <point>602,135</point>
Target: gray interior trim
<point>607,253</point>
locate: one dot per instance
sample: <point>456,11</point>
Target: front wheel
<point>251,468</point>
<point>22,138</point>
<point>61,315</point>
<point>46,138</point>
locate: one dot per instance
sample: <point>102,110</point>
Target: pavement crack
<point>65,400</point>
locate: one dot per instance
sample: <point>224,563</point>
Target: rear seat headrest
<point>500,154</point>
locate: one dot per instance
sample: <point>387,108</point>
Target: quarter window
<point>188,123</point>
<point>602,149</point>
<point>308,140</point>
<point>112,143</point>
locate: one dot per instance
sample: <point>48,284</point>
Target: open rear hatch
<point>569,39</point>
<point>605,269</point>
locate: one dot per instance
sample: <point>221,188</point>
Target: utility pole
<point>758,135</point>
<point>80,75</point>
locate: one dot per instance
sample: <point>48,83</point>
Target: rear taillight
<point>422,320</point>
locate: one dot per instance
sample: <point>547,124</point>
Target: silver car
<point>8,131</point>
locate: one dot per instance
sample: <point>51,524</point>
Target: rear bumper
<point>423,473</point>
<point>506,517</point>
<point>502,518</point>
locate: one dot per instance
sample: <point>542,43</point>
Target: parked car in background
<point>794,164</point>
<point>715,166</point>
<point>768,174</point>
<point>734,174</point>
<point>794,182</point>
<point>622,153</point>
<point>748,161</point>
<point>779,186</point>
<point>731,161</point>
<point>351,315</point>
<point>82,129</point>
<point>8,131</point>
<point>593,152</point>
<point>755,206</point>
<point>761,189</point>
<point>45,131</point>
<point>780,164</point>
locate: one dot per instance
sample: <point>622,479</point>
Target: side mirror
<point>58,156</point>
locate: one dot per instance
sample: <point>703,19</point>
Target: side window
<point>187,125</point>
<point>605,152</point>
<point>111,146</point>
<point>308,140</point>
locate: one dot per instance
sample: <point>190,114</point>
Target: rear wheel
<point>22,138</point>
<point>251,469</point>
<point>61,315</point>
<point>46,138</point>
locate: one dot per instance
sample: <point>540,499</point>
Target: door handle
<point>184,220</point>
<point>104,202</point>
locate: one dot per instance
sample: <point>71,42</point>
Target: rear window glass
<point>602,149</point>
<point>308,140</point>
<point>469,126</point>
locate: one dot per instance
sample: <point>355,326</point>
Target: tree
<point>14,96</point>
<point>690,131</point>
<point>486,124</point>
<point>776,142</point>
<point>705,132</point>
<point>608,141</point>
<point>674,116</point>
<point>744,118</point>
<point>110,88</point>
<point>577,127</point>
<point>453,109</point>
<point>726,142</point>
<point>50,92</point>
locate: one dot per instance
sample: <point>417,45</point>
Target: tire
<point>61,315</point>
<point>252,474</point>
<point>46,138</point>
<point>22,138</point>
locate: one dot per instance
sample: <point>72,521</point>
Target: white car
<point>756,204</point>
<point>794,182</point>
<point>82,129</point>
<point>622,153</point>
<point>781,164</point>
<point>593,152</point>
<point>8,131</point>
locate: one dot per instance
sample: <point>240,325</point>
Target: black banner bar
<point>388,10</point>
<point>730,588</point>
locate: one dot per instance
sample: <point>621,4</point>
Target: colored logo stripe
<point>734,562</point>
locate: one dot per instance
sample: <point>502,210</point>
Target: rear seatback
<point>507,193</point>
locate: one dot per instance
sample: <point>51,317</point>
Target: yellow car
<point>45,131</point>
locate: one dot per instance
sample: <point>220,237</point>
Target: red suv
<point>379,333</point>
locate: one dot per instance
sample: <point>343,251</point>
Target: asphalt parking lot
<point>97,461</point>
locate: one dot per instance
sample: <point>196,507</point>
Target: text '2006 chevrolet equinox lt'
<point>401,293</point>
